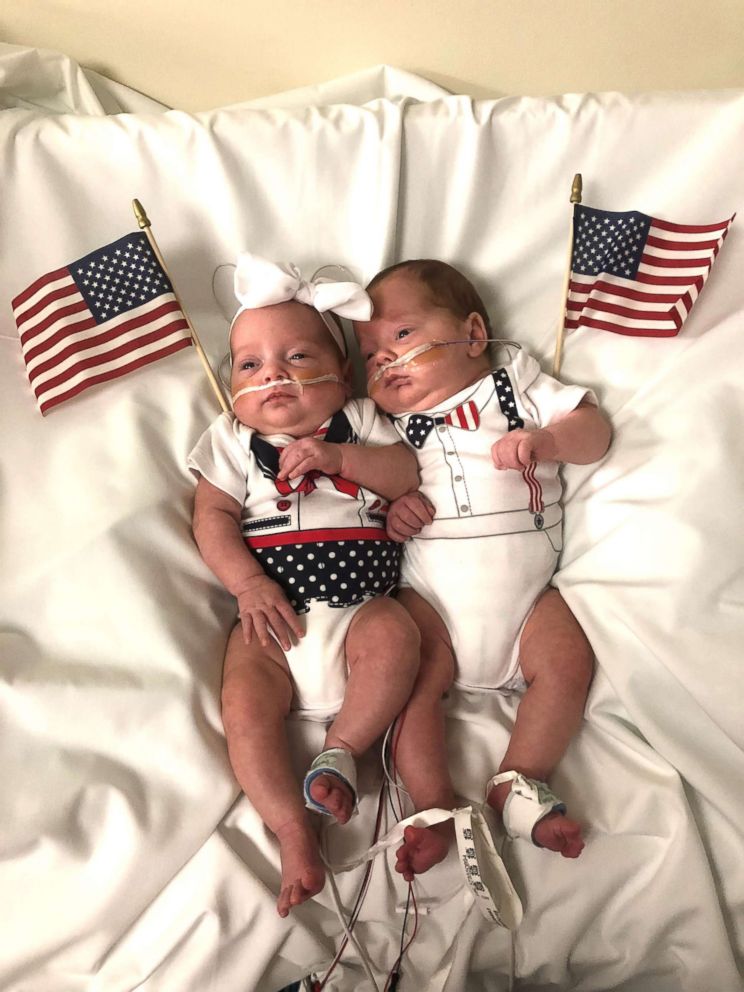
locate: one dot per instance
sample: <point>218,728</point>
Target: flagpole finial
<point>139,212</point>
<point>576,191</point>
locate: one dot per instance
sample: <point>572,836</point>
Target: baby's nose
<point>273,369</point>
<point>383,356</point>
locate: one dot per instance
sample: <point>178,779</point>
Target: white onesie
<point>496,535</point>
<point>322,538</point>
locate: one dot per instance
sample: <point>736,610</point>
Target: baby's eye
<point>297,356</point>
<point>403,333</point>
<point>248,365</point>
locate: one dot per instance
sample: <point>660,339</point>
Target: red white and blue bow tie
<point>420,425</point>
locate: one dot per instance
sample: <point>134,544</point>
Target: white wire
<point>391,780</point>
<point>340,913</point>
<point>512,933</point>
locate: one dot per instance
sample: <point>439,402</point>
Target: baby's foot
<point>422,848</point>
<point>335,795</point>
<point>557,833</point>
<point>303,874</point>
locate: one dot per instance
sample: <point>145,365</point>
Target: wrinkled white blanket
<point>128,860</point>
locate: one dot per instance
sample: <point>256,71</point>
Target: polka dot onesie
<point>322,538</point>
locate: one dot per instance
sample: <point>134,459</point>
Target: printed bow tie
<point>420,425</point>
<point>309,482</point>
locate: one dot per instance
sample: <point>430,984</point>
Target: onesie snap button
<point>465,508</point>
<point>458,478</point>
<point>442,430</point>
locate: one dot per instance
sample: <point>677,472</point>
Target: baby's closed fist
<point>408,515</point>
<point>308,453</point>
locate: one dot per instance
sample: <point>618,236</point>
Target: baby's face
<point>285,341</point>
<point>404,318</point>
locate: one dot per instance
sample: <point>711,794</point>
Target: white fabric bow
<point>261,283</point>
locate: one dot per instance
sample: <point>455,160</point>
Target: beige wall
<point>196,55</point>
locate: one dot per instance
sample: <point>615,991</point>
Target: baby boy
<point>485,529</point>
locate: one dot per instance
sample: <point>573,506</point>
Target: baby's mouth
<point>394,379</point>
<point>278,394</point>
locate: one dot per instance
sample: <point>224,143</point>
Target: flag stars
<point>126,274</point>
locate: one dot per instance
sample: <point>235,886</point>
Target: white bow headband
<point>260,283</point>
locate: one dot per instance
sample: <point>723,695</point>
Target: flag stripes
<point>105,315</point>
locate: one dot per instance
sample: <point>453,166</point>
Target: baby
<point>290,516</point>
<point>486,531</point>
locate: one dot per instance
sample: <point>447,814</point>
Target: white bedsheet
<point>128,859</point>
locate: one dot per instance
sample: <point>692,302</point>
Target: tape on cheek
<point>298,383</point>
<point>422,354</point>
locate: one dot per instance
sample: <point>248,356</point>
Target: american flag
<point>108,313</point>
<point>637,275</point>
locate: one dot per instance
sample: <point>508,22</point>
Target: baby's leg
<point>382,654</point>
<point>421,754</point>
<point>557,663</point>
<point>256,697</point>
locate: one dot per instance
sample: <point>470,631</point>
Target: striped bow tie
<point>420,425</point>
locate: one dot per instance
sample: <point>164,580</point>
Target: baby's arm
<point>262,604</point>
<point>388,470</point>
<point>581,437</point>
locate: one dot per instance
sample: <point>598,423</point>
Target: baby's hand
<point>408,515</point>
<point>519,448</point>
<point>308,453</point>
<point>264,609</point>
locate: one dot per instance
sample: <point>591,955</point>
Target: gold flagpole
<point>144,222</point>
<point>576,190</point>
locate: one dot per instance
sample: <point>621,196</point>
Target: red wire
<point>404,950</point>
<point>380,805</point>
<point>415,921</point>
<point>394,775</point>
<point>318,987</point>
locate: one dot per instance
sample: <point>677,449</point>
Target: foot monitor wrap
<point>337,762</point>
<point>528,802</point>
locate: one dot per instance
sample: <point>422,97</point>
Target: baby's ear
<point>478,335</point>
